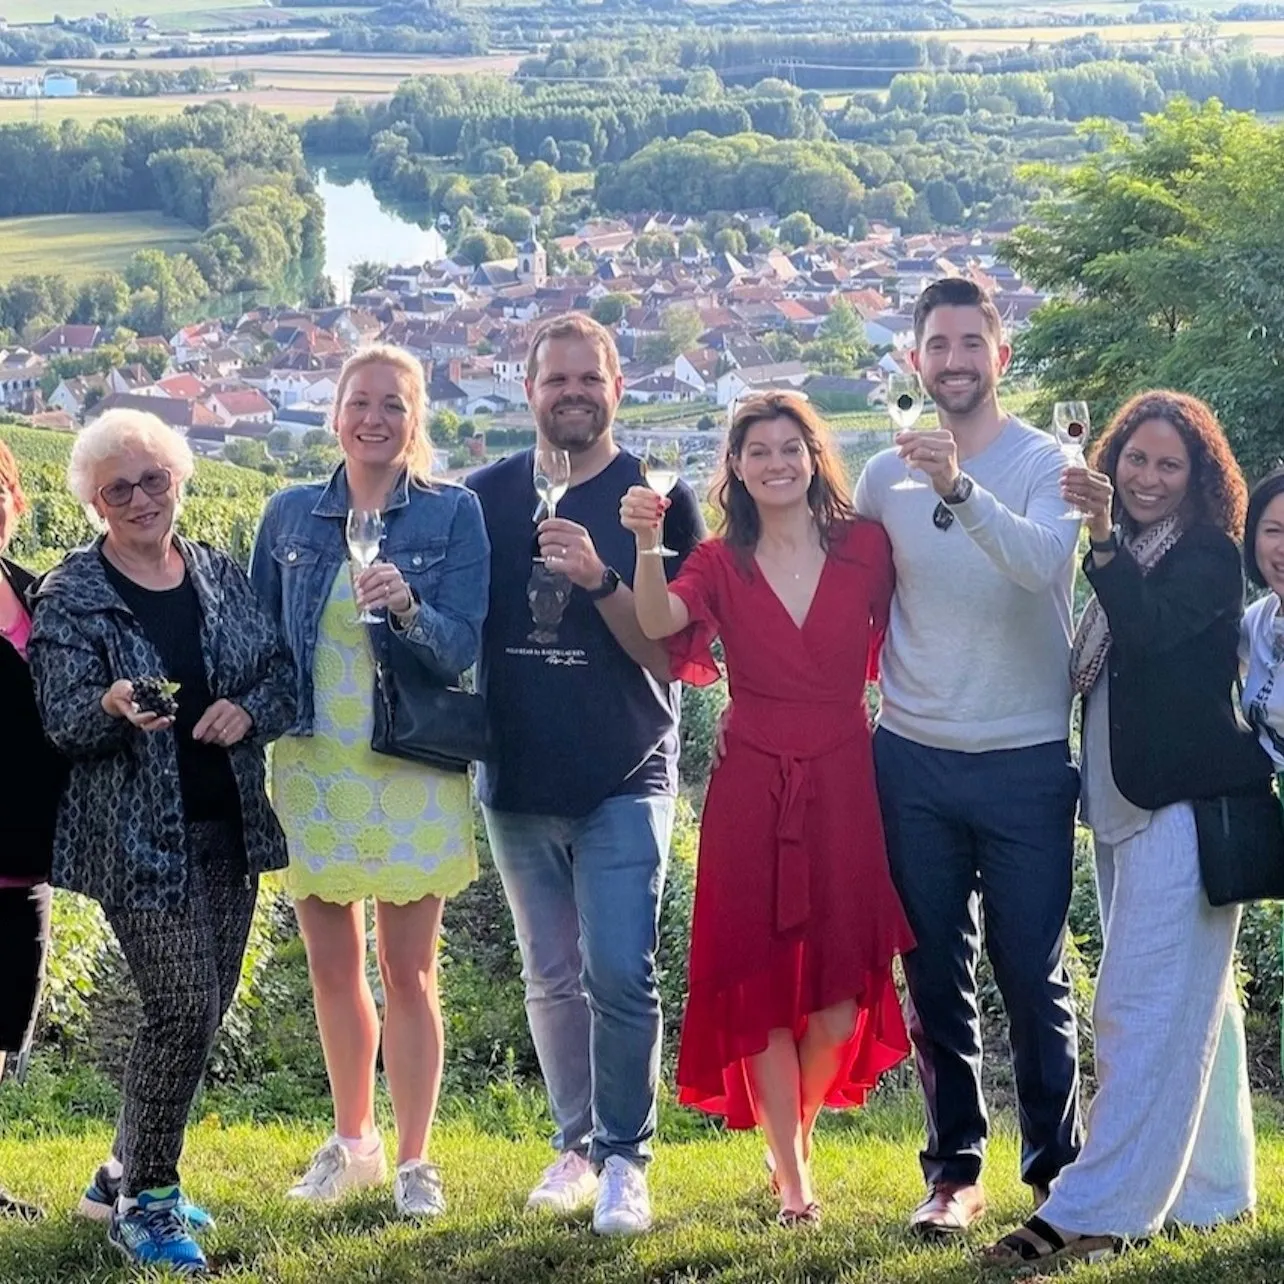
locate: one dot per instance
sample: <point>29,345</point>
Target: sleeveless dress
<point>359,823</point>
<point>795,910</point>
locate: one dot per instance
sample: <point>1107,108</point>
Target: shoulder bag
<point>422,719</point>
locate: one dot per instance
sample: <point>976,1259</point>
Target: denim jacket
<point>433,534</point>
<point>121,836</point>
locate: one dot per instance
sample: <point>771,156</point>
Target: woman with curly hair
<point>1170,1133</point>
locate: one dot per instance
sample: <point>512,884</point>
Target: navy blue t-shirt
<point>575,720</point>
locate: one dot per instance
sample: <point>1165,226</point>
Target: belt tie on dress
<point>793,868</point>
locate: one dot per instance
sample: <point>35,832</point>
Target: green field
<point>79,245</point>
<point>713,1215</point>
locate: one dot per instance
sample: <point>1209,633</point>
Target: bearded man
<point>579,796</point>
<point>975,778</point>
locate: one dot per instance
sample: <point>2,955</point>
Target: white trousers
<point>1170,1131</point>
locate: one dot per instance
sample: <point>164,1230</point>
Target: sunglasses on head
<point>154,482</point>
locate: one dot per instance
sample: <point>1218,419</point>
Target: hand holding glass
<point>1070,426</point>
<point>364,533</point>
<point>552,477</point>
<point>904,405</point>
<point>661,462</point>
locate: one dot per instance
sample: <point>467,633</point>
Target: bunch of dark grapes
<point>156,695</point>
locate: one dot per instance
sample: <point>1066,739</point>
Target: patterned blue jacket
<point>120,836</point>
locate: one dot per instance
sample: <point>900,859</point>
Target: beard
<point>962,401</point>
<point>573,436</point>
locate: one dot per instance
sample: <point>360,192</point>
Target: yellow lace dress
<point>359,823</point>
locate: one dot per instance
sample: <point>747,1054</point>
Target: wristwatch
<point>962,490</point>
<point>1110,545</point>
<point>610,582</point>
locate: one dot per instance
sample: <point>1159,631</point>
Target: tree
<point>1165,252</point>
<point>681,329</point>
<point>245,452</point>
<point>731,240</point>
<point>367,275</point>
<point>540,185</point>
<point>577,156</point>
<point>782,346</point>
<point>797,229</point>
<point>549,152</point>
<point>154,359</point>
<point>443,428</point>
<point>513,222</point>
<point>843,326</point>
<point>280,441</point>
<point>610,308</point>
<point>690,246</point>
<point>316,438</point>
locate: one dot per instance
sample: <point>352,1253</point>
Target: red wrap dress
<point>794,907</point>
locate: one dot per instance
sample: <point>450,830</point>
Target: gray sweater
<point>978,645</point>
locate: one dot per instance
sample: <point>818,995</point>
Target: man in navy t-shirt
<point>579,794</point>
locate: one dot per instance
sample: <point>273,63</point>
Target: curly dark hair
<point>826,496</point>
<point>1217,494</point>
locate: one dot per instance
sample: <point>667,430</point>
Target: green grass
<point>711,1203</point>
<point>79,245</point>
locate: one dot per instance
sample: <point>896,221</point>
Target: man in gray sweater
<point>976,783</point>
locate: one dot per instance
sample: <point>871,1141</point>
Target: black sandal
<point>11,1206</point>
<point>794,1218</point>
<point>1036,1242</point>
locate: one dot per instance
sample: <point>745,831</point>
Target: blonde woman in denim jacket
<point>361,825</point>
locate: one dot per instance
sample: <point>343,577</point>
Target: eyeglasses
<point>942,518</point>
<point>154,482</point>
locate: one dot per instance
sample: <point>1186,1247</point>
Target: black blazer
<point>1175,733</point>
<point>32,771</point>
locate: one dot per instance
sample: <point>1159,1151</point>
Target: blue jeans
<point>585,896</point>
<point>997,828</point>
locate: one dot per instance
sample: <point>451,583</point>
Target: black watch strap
<point>962,490</point>
<point>610,582</point>
<point>1110,545</point>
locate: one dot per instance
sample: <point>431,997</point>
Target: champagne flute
<point>364,533</point>
<point>661,463</point>
<point>551,468</point>
<point>1070,425</point>
<point>904,405</point>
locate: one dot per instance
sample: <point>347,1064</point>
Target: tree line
<point>236,173</point>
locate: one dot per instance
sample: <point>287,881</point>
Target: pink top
<point>17,637</point>
<point>20,633</point>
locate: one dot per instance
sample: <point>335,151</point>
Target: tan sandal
<point>1038,1243</point>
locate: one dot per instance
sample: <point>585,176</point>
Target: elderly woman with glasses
<point>161,678</point>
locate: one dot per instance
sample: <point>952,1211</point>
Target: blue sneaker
<point>99,1202</point>
<point>151,1234</point>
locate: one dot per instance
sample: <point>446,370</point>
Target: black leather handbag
<point>1241,846</point>
<point>422,719</point>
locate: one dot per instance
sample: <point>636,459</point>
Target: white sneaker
<point>335,1170</point>
<point>417,1190</point>
<point>623,1206</point>
<point>568,1184</point>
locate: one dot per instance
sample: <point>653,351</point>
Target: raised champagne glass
<point>904,405</point>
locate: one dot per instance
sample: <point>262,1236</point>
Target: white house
<point>662,387</point>
<point>20,375</point>
<point>780,374</point>
<point>890,330</point>
<point>698,369</point>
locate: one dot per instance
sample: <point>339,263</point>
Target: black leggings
<point>186,964</point>
<point>24,946</point>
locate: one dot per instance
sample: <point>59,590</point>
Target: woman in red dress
<point>790,1002</point>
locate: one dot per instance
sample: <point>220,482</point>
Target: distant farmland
<point>297,84</point>
<point>80,245</point>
